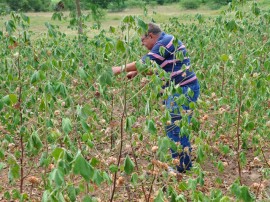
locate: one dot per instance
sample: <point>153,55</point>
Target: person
<point>180,74</point>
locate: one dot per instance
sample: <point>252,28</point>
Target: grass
<point>160,14</point>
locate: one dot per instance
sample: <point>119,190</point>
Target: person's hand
<point>132,74</point>
<point>117,70</point>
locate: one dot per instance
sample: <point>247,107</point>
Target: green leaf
<point>225,199</point>
<point>82,73</point>
<point>14,172</point>
<point>2,153</point>
<point>180,198</point>
<point>112,29</point>
<point>160,197</point>
<point>120,46</point>
<point>71,193</point>
<point>225,148</point>
<point>245,194</point>
<point>10,26</point>
<point>83,112</point>
<point>220,166</point>
<point>94,161</point>
<point>134,178</point>
<point>83,168</point>
<point>61,88</point>
<point>249,126</point>
<point>224,57</point>
<point>1,105</point>
<point>151,127</point>
<point>45,196</point>
<point>113,168</point>
<point>129,165</point>
<point>42,105</point>
<point>85,126</point>
<point>97,178</point>
<point>2,165</point>
<point>6,100</point>
<point>36,142</point>
<point>25,18</point>
<point>129,19</point>
<point>66,125</point>
<point>163,146</point>
<point>129,122</point>
<point>88,199</point>
<point>142,24</point>
<point>105,79</point>
<point>231,25</point>
<point>255,9</point>
<point>183,186</point>
<point>235,189</point>
<point>35,77</point>
<point>162,50</point>
<point>192,105</point>
<point>51,29</point>
<point>13,98</point>
<point>200,154</point>
<point>243,158</point>
<point>57,176</point>
<point>58,153</point>
<point>192,184</point>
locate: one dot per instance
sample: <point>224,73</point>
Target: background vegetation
<point>114,5</point>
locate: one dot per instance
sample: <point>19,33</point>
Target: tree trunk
<point>79,14</point>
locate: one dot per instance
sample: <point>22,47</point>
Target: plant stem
<point>21,122</point>
<point>238,133</point>
<point>258,189</point>
<point>223,80</point>
<point>121,141</point>
<point>264,155</point>
<point>151,188</point>
<point>137,168</point>
<point>79,14</point>
<point>111,121</point>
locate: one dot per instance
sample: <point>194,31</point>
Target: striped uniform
<point>169,62</point>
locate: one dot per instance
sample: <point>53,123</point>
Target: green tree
<point>28,5</point>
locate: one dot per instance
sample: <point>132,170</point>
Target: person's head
<point>152,35</point>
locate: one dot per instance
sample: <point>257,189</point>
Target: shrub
<point>216,4</point>
<point>4,9</point>
<point>160,2</point>
<point>134,3</point>
<point>190,4</point>
<point>116,6</point>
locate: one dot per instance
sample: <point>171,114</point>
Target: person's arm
<point>130,67</point>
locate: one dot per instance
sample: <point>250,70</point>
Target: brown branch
<point>121,141</point>
<point>258,189</point>
<point>111,121</point>
<point>238,135</point>
<point>79,14</point>
<point>128,192</point>
<point>264,155</point>
<point>137,168</point>
<point>151,188</point>
<point>223,80</point>
<point>21,122</point>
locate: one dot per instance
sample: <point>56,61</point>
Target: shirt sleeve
<point>155,55</point>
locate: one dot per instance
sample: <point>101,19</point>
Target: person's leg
<point>174,132</point>
<point>184,156</point>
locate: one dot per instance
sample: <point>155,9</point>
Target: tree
<point>28,5</point>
